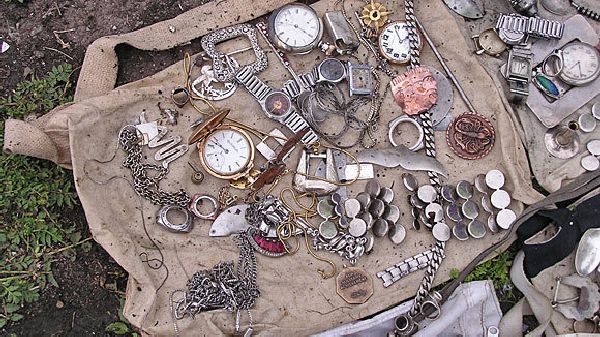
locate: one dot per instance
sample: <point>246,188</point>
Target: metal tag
<point>466,8</point>
<point>343,37</point>
<point>366,172</point>
<point>354,285</point>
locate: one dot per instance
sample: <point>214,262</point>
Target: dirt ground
<point>45,33</point>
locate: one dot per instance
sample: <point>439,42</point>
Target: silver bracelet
<point>514,29</point>
<point>396,272</point>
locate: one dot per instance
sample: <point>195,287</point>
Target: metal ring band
<point>198,198</point>
<point>180,102</point>
<point>434,315</point>
<point>184,227</point>
<point>406,119</point>
<point>558,55</point>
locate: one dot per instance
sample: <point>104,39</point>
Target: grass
<point>36,195</point>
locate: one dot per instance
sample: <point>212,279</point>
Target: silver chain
<point>145,185</point>
<point>413,34</point>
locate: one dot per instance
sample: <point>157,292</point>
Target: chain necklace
<point>145,185</point>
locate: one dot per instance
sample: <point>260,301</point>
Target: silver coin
<point>369,243</point>
<point>376,208</point>
<point>492,225</point>
<point>594,147</point>
<point>480,184</point>
<point>368,218</point>
<point>392,213</point>
<point>590,163</point>
<point>328,230</point>
<point>397,233</point>
<point>410,182</point>
<point>352,207</point>
<point>470,209</point>
<point>380,227</point>
<point>494,179</point>
<point>373,187</point>
<point>505,218</point>
<point>596,110</point>
<point>460,231</point>
<point>357,227</point>
<point>453,212</point>
<point>325,208</point>
<point>427,193</point>
<point>447,193</point>
<point>441,231</point>
<point>464,189</point>
<point>434,211</point>
<point>339,210</point>
<point>425,221</point>
<point>343,222</point>
<point>500,199</point>
<point>365,200</point>
<point>336,198</point>
<point>486,203</point>
<point>386,194</point>
<point>476,229</point>
<point>587,123</point>
<point>416,202</point>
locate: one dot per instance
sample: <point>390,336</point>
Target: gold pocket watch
<point>226,151</point>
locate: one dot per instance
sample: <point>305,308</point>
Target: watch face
<point>227,152</point>
<point>519,66</point>
<point>297,26</point>
<point>581,64</point>
<point>332,70</point>
<point>394,43</point>
<point>277,105</point>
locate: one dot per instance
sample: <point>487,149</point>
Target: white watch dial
<point>581,64</point>
<point>297,26</point>
<point>394,43</point>
<point>227,152</point>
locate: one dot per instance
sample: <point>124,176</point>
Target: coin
<point>594,147</point>
<point>441,231</point>
<point>386,194</point>
<point>453,212</point>
<point>596,110</point>
<point>352,207</point>
<point>470,209</point>
<point>434,211</point>
<point>447,193</point>
<point>476,229</point>
<point>492,225</point>
<point>365,199</point>
<point>500,199</point>
<point>494,179</point>
<point>486,203</point>
<point>587,122</point>
<point>373,187</point>
<point>380,227</point>
<point>416,202</point>
<point>590,163</point>
<point>410,182</point>
<point>464,189</point>
<point>397,233</point>
<point>328,230</point>
<point>460,231</point>
<point>480,184</point>
<point>357,227</point>
<point>325,208</point>
<point>427,193</point>
<point>376,208</point>
<point>471,136</point>
<point>392,213</point>
<point>505,218</point>
<point>354,285</point>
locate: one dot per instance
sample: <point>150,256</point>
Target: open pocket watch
<point>226,151</point>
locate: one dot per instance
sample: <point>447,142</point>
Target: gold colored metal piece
<point>375,15</point>
<point>225,197</point>
<point>208,126</point>
<point>354,285</point>
<point>243,172</point>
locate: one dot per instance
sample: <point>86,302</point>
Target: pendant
<point>471,136</point>
<point>354,285</point>
<point>415,90</point>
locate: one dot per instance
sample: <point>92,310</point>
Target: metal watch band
<point>296,123</point>
<point>394,273</point>
<point>293,89</point>
<point>257,88</point>
<point>532,26</point>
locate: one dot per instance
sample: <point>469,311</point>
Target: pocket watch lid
<point>208,126</point>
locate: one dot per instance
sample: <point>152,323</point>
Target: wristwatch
<point>330,70</point>
<point>276,104</point>
<point>517,72</point>
<point>515,29</point>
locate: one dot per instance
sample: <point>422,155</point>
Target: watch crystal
<point>297,26</point>
<point>227,152</point>
<point>278,104</point>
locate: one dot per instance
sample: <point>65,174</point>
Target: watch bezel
<point>243,171</point>
<point>338,63</point>
<point>263,104</point>
<point>379,42</point>
<point>284,46</point>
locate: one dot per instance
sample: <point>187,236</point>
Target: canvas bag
<point>295,300</point>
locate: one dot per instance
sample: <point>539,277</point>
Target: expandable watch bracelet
<point>393,274</point>
<point>514,29</point>
<point>276,104</point>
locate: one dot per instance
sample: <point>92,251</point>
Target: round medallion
<point>447,193</point>
<point>427,193</point>
<point>460,231</point>
<point>505,218</point>
<point>397,233</point>
<point>364,199</point>
<point>500,199</point>
<point>376,208</point>
<point>325,208</point>
<point>410,182</point>
<point>354,285</point>
<point>471,136</point>
<point>357,227</point>
<point>386,194</point>
<point>470,209</point>
<point>373,187</point>
<point>476,229</point>
<point>392,213</point>
<point>380,227</point>
<point>328,230</point>
<point>594,147</point>
<point>415,90</point>
<point>441,231</point>
<point>464,189</point>
<point>590,163</point>
<point>453,212</point>
<point>494,179</point>
<point>587,123</point>
<point>352,207</point>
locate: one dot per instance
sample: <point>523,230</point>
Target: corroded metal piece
<point>471,136</point>
<point>415,90</point>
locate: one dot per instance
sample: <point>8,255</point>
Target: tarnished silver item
<point>401,156</point>
<point>514,29</point>
<point>198,199</point>
<point>467,8</point>
<point>395,123</point>
<point>170,150</point>
<point>351,171</point>
<point>207,86</point>
<point>587,258</point>
<point>562,142</point>
<point>184,227</point>
<point>303,184</point>
<point>230,221</point>
<point>396,272</point>
<point>338,29</point>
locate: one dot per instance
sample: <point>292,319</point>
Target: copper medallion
<point>415,90</point>
<point>354,285</point>
<point>471,136</point>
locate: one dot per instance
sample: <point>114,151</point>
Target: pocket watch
<point>226,151</point>
<point>394,42</point>
<point>580,64</point>
<point>295,28</point>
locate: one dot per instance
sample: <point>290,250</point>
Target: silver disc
<point>365,200</point>
<point>460,231</point>
<point>587,122</point>
<point>376,208</point>
<point>594,147</point>
<point>434,210</point>
<point>447,193</point>
<point>500,199</point>
<point>590,163</point>
<point>397,233</point>
<point>464,189</point>
<point>357,227</point>
<point>410,182</point>
<point>380,227</point>
<point>352,207</point>
<point>470,210</point>
<point>427,193</point>
<point>445,97</point>
<point>453,212</point>
<point>494,179</point>
<point>373,187</point>
<point>476,229</point>
<point>386,194</point>
<point>441,231</point>
<point>480,184</point>
<point>325,208</point>
<point>596,110</point>
<point>392,213</point>
<point>328,230</point>
<point>505,218</point>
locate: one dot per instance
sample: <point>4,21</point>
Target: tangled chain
<point>145,185</point>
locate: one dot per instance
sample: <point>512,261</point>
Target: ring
<point>434,315</point>
<point>559,57</point>
<point>180,96</point>
<point>184,227</point>
<point>198,198</point>
<point>406,119</point>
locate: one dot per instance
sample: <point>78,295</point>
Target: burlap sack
<point>295,300</point>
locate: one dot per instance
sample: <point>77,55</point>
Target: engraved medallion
<point>471,136</point>
<point>415,90</point>
<point>354,285</point>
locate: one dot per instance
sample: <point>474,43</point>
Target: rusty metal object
<point>354,285</point>
<point>415,90</point>
<point>471,136</point>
